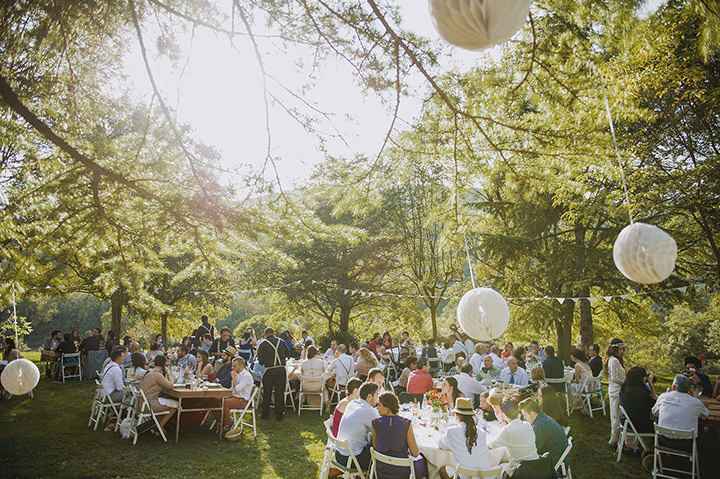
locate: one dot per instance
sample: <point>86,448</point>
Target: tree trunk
<point>433,318</point>
<point>586,325</point>
<point>345,310</point>
<point>163,327</point>
<point>564,330</point>
<point>117,300</point>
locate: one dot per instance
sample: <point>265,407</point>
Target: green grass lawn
<point>48,436</point>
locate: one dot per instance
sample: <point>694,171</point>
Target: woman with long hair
<point>582,371</point>
<point>138,369</point>
<point>467,443</point>
<point>550,405</point>
<point>9,351</point>
<point>153,383</point>
<point>450,389</point>
<point>614,369</point>
<point>638,396</point>
<point>76,337</point>
<point>204,369</point>
<point>521,356</point>
<point>509,351</point>
<point>245,346</point>
<point>365,363</point>
<point>393,435</point>
<point>313,366</point>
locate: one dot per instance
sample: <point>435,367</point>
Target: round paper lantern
<point>483,314</point>
<point>478,24</point>
<point>645,253</point>
<point>20,377</point>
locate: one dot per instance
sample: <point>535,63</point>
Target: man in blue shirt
<point>224,374</point>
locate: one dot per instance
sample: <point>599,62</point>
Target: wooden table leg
<point>222,418</point>
<point>177,420</point>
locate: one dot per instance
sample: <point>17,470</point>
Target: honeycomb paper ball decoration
<point>478,24</point>
<point>20,377</point>
<point>483,314</point>
<point>644,253</point>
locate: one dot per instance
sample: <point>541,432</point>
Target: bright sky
<point>220,95</point>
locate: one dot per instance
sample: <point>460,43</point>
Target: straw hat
<point>233,434</point>
<point>464,406</point>
<point>231,351</point>
<point>495,397</point>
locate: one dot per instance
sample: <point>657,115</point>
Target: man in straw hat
<point>466,441</point>
<point>223,375</point>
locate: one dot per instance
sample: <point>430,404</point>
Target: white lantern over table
<point>478,24</point>
<point>20,377</point>
<point>483,314</point>
<point>644,253</point>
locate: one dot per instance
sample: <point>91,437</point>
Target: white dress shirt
<point>470,346</point>
<point>343,365</point>
<point>356,426</point>
<point>518,438</point>
<point>677,410</point>
<point>469,386</point>
<point>454,439</point>
<point>244,385</point>
<point>518,378</point>
<point>329,355</point>
<point>476,361</point>
<point>112,378</point>
<point>458,346</point>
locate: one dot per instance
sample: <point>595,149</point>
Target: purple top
<point>391,440</point>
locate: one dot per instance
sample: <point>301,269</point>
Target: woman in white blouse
<point>313,367</point>
<point>615,372</point>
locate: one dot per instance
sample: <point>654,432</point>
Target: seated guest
<point>55,339</point>
<point>159,341</point>
<point>487,371</point>
<point>508,351</point>
<point>186,361</point>
<point>467,384</point>
<point>407,347</point>
<point>76,337</point>
<point>132,349</point>
<point>450,389</point>
<point>476,360</point>
<point>393,436</point>
<point>488,411</point>
<point>537,375</point>
<point>495,354</point>
<point>430,351</point>
<point>356,426</point>
<point>554,368</point>
<point>224,374</point>
<point>582,371</point>
<point>342,365</point>
<point>550,405</point>
<point>595,362</point>
<point>304,338</point>
<point>352,392</point>
<point>67,346</point>
<point>420,380</point>
<point>373,345</point>
<point>457,345</point>
<point>512,374</point>
<point>677,409</point>
<point>113,376</point>
<point>375,375</point>
<point>517,437</point>
<point>222,343</point>
<point>312,367</point>
<point>138,367</point>
<point>153,384</point>
<point>206,343</point>
<point>365,363</point>
<point>535,353</point>
<point>245,346</point>
<point>154,351</point>
<point>330,353</point>
<point>204,370</point>
<point>460,358</point>
<point>692,370</point>
<point>353,352</point>
<point>111,341</point>
<point>410,366</point>
<point>637,397</point>
<point>549,435</point>
<point>447,356</point>
<point>466,441</point>
<point>521,355</point>
<point>305,346</point>
<point>90,343</point>
<point>241,386</point>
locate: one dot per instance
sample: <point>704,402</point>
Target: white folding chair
<point>239,414</point>
<point>393,461</point>
<point>567,430</point>
<point>592,387</point>
<point>97,401</point>
<point>329,450</point>
<point>128,404</point>
<point>353,468</point>
<point>321,393</point>
<point>566,394</point>
<point>563,471</point>
<point>489,473</point>
<point>74,363</point>
<point>289,391</point>
<point>145,413</point>
<point>658,469</point>
<point>338,388</point>
<point>633,431</point>
<point>104,406</point>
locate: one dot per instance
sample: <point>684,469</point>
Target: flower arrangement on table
<point>437,401</point>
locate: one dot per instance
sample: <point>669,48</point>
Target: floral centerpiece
<point>437,401</point>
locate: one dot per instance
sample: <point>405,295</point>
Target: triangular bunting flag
<point>591,299</point>
<point>624,296</point>
<point>575,299</point>
<point>683,289</point>
<point>607,298</point>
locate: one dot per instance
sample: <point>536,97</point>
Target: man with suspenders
<point>272,354</point>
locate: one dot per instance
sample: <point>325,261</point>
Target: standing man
<point>595,359</point>
<point>272,354</point>
<point>206,328</point>
<point>457,346</point>
<point>221,344</point>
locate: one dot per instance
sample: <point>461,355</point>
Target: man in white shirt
<point>343,365</point>
<point>516,441</point>
<point>512,374</point>
<point>494,353</point>
<point>241,386</point>
<point>457,346</point>
<point>476,360</point>
<point>330,353</point>
<point>306,338</point>
<point>356,426</point>
<point>112,375</point>
<point>469,345</point>
<point>679,409</point>
<point>467,384</point>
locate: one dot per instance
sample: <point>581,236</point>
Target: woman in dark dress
<point>393,435</point>
<point>637,397</point>
<point>550,405</point>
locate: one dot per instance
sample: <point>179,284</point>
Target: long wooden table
<point>180,393</point>
<point>713,420</point>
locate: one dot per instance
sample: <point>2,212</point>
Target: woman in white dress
<point>615,373</point>
<point>582,371</point>
<point>313,367</point>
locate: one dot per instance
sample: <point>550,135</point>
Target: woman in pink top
<point>352,389</point>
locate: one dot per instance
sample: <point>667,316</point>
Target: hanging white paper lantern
<point>478,24</point>
<point>483,314</point>
<point>20,377</point>
<point>645,253</point>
